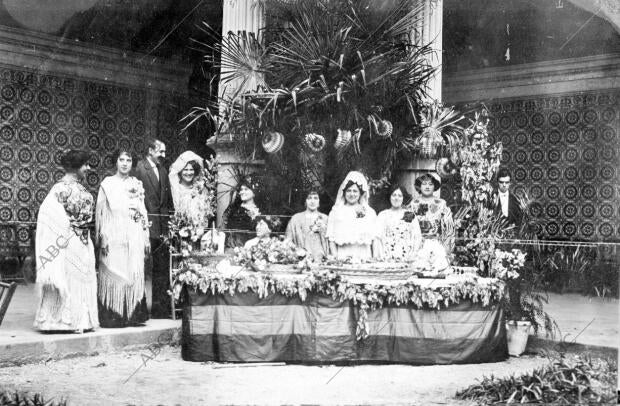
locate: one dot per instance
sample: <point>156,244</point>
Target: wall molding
<point>601,72</point>
<point>46,54</point>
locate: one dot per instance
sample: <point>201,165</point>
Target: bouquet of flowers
<point>270,251</point>
<point>183,232</point>
<point>80,209</point>
<point>318,226</point>
<point>506,265</point>
<point>135,192</point>
<point>360,212</point>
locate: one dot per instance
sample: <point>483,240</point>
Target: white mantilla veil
<point>360,180</point>
<point>175,170</point>
<point>343,226</point>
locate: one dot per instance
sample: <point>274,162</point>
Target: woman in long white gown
<point>351,223</point>
<point>65,256</point>
<point>123,238</point>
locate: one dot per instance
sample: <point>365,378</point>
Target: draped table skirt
<point>247,328</point>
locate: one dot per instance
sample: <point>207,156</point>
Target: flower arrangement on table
<point>368,297</point>
<point>184,233</point>
<point>274,250</point>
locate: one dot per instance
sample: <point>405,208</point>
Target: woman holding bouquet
<point>192,200</point>
<point>123,239</point>
<point>351,223</point>
<point>398,228</point>
<point>240,214</point>
<point>66,276</point>
<point>307,229</point>
<point>436,222</point>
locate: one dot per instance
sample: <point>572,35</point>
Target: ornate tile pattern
<point>564,152</point>
<point>43,115</point>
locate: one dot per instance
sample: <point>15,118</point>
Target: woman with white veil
<point>351,226</point>
<point>189,195</point>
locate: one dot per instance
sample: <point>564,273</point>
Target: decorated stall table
<point>338,314</point>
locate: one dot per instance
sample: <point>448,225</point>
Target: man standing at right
<point>158,202</point>
<point>506,203</point>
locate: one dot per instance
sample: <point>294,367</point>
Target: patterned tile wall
<point>564,152</point>
<point>43,115</point>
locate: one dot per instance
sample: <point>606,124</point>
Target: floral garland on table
<point>274,250</point>
<point>79,207</point>
<point>367,297</point>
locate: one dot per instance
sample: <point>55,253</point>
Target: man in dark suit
<point>158,201</point>
<point>506,203</point>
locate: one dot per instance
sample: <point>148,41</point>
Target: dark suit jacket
<point>157,197</point>
<point>515,216</point>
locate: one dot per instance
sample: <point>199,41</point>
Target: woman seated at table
<point>351,223</point>
<point>398,228</point>
<point>435,220</point>
<point>264,225</point>
<point>307,229</point>
<point>239,216</point>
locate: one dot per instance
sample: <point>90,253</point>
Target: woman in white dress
<point>65,255</point>
<point>351,223</point>
<point>123,238</point>
<point>189,194</point>
<point>398,228</point>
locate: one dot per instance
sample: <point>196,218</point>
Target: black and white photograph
<point>309,202</point>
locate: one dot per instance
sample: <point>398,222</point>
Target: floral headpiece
<point>351,183</point>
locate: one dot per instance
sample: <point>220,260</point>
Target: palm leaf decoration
<point>327,65</point>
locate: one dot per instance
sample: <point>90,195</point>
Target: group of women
<point>72,297</point>
<point>422,228</point>
<point>77,291</point>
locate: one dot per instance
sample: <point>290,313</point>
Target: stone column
<point>428,30</point>
<point>238,16</point>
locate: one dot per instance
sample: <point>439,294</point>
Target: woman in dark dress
<point>240,214</point>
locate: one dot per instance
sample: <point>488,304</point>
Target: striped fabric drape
<point>246,328</point>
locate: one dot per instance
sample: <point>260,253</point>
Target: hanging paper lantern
<point>316,142</point>
<point>273,142</point>
<point>429,142</point>
<point>445,168</point>
<point>343,139</point>
<point>384,128</point>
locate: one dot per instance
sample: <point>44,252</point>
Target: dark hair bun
<point>74,159</point>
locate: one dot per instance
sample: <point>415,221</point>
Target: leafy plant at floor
<point>579,269</point>
<point>339,71</point>
<point>521,301</point>
<point>562,382</point>
<point>25,399</point>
